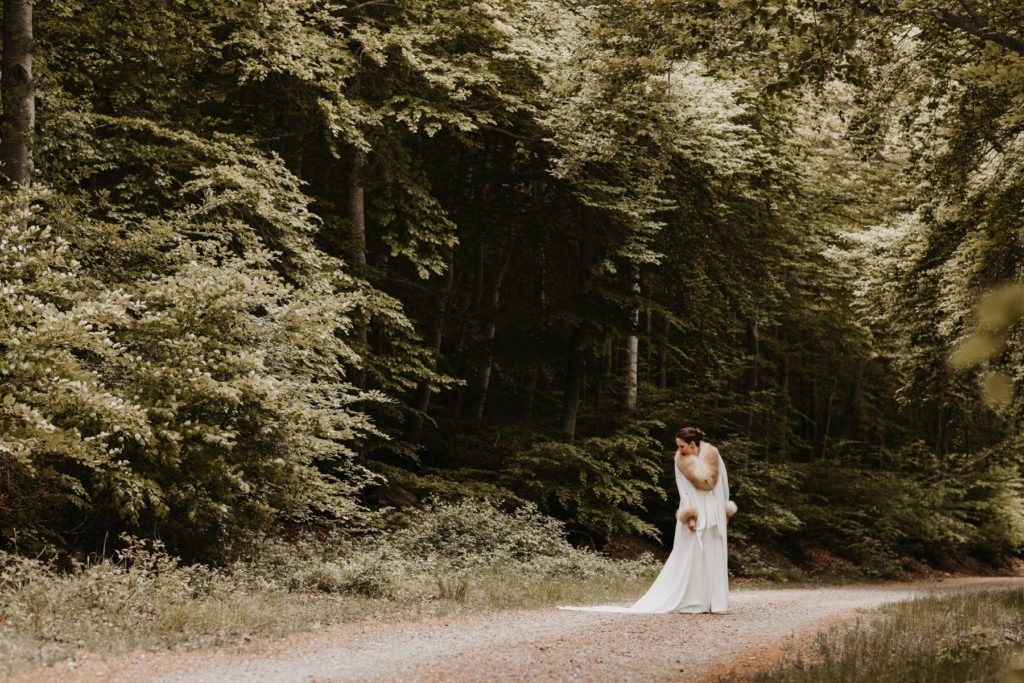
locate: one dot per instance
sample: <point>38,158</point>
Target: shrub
<point>201,400</point>
<point>930,509</point>
<point>471,533</point>
<point>601,483</point>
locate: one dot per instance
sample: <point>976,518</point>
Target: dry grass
<point>961,637</point>
<point>151,603</point>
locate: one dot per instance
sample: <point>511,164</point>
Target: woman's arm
<point>687,512</point>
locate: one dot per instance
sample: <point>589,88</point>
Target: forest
<point>274,266</point>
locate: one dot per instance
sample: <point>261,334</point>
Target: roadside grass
<point>940,639</point>
<point>451,559</point>
<point>108,609</point>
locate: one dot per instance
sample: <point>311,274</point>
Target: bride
<point>695,577</point>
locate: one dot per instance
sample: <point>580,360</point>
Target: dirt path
<point>537,645</point>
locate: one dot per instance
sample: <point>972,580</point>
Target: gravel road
<point>536,645</point>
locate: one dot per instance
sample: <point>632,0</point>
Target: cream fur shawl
<point>702,471</point>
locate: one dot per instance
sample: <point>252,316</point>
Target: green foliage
<point>600,482</point>
<point>766,491</point>
<point>469,534</point>
<point>202,402</point>
<point>144,598</point>
<point>931,509</point>
<point>294,244</point>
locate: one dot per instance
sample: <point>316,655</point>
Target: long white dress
<point>695,577</point>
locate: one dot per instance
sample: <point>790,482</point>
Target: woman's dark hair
<point>691,435</point>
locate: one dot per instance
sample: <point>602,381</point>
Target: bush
<point>201,400</point>
<point>144,597</point>
<point>601,483</point>
<point>928,510</point>
<point>478,533</point>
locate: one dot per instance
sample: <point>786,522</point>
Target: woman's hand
<point>691,525</point>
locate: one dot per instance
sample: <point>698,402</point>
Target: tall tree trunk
<point>852,410</point>
<point>483,377</point>
<point>357,246</point>
<point>573,382</point>
<point>575,364</point>
<point>828,416</point>
<point>940,428</point>
<point>784,430</point>
<point>357,211</point>
<point>17,93</point>
<point>663,356</point>
<point>423,390</point>
<point>755,372</point>
<point>813,412</point>
<point>633,345</point>
<point>608,367</point>
<point>648,347</point>
<point>533,377</point>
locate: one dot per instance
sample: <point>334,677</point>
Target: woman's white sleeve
<point>724,477</point>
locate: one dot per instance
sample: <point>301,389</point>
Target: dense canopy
<point>284,262</point>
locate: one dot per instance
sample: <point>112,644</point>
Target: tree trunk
<point>755,371</point>
<point>784,430</point>
<point>663,356</point>
<point>633,345</point>
<point>532,378</point>
<point>357,248</point>
<point>813,412</point>
<point>423,390</point>
<point>575,363</point>
<point>17,93</point>
<point>940,429</point>
<point>853,409</point>
<point>483,378</point>
<point>357,211</point>
<point>573,383</point>
<point>828,416</point>
<point>608,367</point>
<point>648,347</point>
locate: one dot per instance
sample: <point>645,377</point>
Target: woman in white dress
<point>695,577</point>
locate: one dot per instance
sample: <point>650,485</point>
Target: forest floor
<point>529,645</point>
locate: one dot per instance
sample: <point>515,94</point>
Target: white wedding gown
<point>695,577</point>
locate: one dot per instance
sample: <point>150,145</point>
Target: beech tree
<point>17,93</point>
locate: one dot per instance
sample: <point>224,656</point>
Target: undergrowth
<point>449,557</point>
<point>934,639</point>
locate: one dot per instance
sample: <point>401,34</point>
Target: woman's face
<point>687,448</point>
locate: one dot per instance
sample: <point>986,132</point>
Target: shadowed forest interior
<point>282,265</point>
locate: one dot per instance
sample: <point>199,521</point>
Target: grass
<point>108,609</point>
<point>945,639</point>
<point>450,559</point>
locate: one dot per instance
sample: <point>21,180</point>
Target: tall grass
<point>940,639</point>
<point>456,558</point>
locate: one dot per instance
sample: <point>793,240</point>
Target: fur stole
<point>700,469</point>
<point>688,513</point>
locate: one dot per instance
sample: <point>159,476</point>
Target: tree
<point>17,93</point>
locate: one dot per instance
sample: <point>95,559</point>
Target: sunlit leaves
<point>975,349</point>
<point>997,313</point>
<point>1001,309</point>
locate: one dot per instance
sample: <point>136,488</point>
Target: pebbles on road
<point>537,645</point>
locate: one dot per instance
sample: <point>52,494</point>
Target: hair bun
<point>691,434</point>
